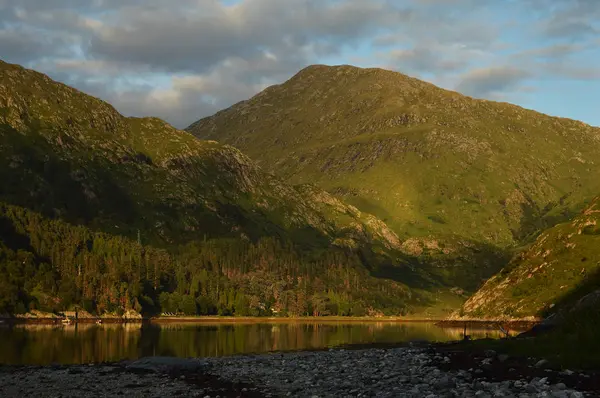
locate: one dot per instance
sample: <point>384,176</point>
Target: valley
<point>405,199</point>
<point>259,198</point>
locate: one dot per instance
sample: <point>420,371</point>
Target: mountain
<point>72,156</point>
<point>441,169</point>
<point>553,273</point>
<point>87,175</point>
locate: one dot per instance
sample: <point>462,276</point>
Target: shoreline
<point>513,324</point>
<point>483,323</point>
<point>306,319</point>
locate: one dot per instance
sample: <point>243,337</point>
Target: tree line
<point>52,266</point>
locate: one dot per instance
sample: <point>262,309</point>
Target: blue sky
<point>185,59</point>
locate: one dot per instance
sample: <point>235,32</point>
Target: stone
<point>445,383</point>
<point>478,385</point>
<point>489,353</point>
<point>531,388</point>
<point>542,364</point>
<point>503,357</point>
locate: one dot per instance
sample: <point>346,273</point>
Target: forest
<point>52,266</point>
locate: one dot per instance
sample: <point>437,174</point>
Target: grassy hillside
<point>559,268</point>
<point>72,158</point>
<point>435,165</point>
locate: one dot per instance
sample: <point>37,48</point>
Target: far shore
<point>443,322</point>
<point>291,319</point>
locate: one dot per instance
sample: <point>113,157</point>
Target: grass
<point>573,345</point>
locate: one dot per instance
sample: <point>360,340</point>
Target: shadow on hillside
<point>10,237</point>
<point>365,205</point>
<point>466,269</point>
<point>536,220</point>
<point>77,189</point>
<point>570,298</point>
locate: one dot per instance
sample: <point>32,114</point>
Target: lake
<point>91,343</point>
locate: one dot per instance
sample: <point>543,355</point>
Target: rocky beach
<point>410,371</point>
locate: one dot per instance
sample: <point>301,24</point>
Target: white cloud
<point>185,59</point>
<point>491,81</point>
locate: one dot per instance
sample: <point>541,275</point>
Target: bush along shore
<point>409,371</point>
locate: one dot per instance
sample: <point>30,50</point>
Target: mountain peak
<point>346,74</point>
<point>427,160</point>
<point>323,68</point>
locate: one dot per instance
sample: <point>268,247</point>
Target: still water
<point>87,343</point>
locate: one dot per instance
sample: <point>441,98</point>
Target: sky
<point>186,59</point>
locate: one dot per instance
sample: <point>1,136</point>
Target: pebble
<point>542,364</point>
<point>490,353</point>
<point>394,372</point>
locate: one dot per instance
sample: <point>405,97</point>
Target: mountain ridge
<point>352,131</point>
<point>72,163</point>
<point>146,143</point>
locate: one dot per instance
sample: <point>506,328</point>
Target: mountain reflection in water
<point>88,343</point>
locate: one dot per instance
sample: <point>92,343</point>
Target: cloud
<point>115,49</point>
<point>185,59</point>
<point>570,20</point>
<point>435,58</point>
<point>196,39</point>
<point>489,81</point>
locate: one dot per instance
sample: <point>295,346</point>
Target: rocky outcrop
<point>555,268</point>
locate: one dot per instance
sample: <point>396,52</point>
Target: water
<point>87,343</point>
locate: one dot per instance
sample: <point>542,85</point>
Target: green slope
<point>560,267</point>
<point>429,162</point>
<point>72,158</point>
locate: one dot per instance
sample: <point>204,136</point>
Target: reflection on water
<point>86,343</point>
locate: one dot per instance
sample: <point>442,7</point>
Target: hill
<point>72,159</point>
<point>440,168</point>
<point>557,270</point>
<point>72,156</point>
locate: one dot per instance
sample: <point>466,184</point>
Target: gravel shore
<point>390,372</point>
